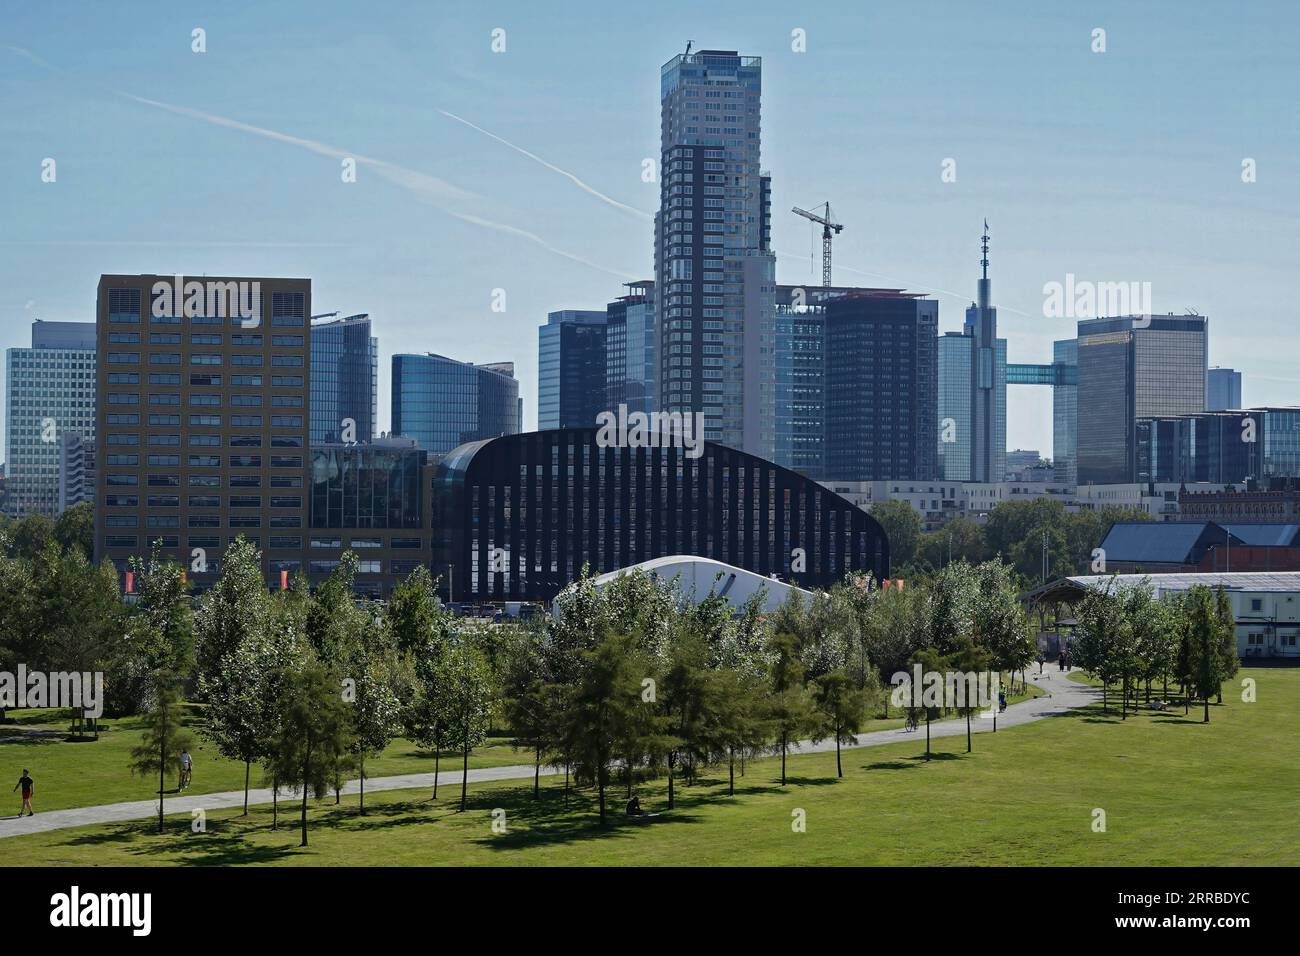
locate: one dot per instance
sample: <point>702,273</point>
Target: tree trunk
<point>1105,704</point>
<point>275,806</point>
<point>248,769</point>
<point>304,813</point>
<point>362,801</point>
<point>464,774</point>
<point>537,774</point>
<point>968,748</point>
<point>1207,710</point>
<point>162,773</point>
<point>927,733</point>
<point>672,793</point>
<point>1123,699</point>
<point>783,744</point>
<point>839,768</point>
<point>731,781</point>
<point>437,760</point>
<point>601,774</point>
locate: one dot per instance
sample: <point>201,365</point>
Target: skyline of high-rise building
<point>988,379</point>
<point>571,368</point>
<point>201,426</point>
<point>714,269</point>
<point>1133,367</point>
<point>442,402</point>
<point>1222,389</point>
<point>50,392</point>
<point>881,386</point>
<point>344,380</point>
<point>631,350</point>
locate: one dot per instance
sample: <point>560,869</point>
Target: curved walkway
<point>1062,695</point>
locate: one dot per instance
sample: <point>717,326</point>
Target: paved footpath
<point>1062,696</point>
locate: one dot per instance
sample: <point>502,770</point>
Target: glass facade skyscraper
<point>1065,405</point>
<point>714,269</point>
<point>1134,367</point>
<point>344,380</point>
<point>881,386</point>
<point>1222,389</point>
<point>50,392</point>
<point>954,447</point>
<point>631,342</point>
<point>441,402</point>
<point>571,369</point>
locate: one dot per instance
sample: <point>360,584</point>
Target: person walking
<point>25,781</point>
<point>187,769</point>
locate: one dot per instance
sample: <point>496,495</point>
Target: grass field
<point>83,773</point>
<point>1175,792</point>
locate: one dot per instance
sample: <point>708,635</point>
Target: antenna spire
<point>984,247</point>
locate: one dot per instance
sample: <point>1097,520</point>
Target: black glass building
<point>517,518</point>
<point>882,386</point>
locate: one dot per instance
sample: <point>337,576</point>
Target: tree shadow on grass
<point>938,755</point>
<point>888,765</point>
<point>534,823</point>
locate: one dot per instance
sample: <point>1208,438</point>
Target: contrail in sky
<point>552,167</point>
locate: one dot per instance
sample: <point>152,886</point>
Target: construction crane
<point>827,225</point>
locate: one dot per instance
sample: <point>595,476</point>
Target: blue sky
<point>1115,166</point>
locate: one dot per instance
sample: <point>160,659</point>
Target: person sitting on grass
<point>634,807</point>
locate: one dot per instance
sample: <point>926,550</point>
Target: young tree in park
<point>1205,630</point>
<point>951,607</point>
<point>789,709</point>
<point>902,527</point>
<point>971,659</point>
<point>468,704</point>
<point>688,701</point>
<point>527,697</point>
<point>17,614</point>
<point>931,662</point>
<point>164,602</point>
<point>741,724</point>
<point>601,706</point>
<point>79,614</point>
<point>314,735</point>
<point>164,739</point>
<point>376,706</point>
<point>426,717</point>
<point>413,614</point>
<point>335,622</point>
<point>1229,659</point>
<point>840,708</point>
<point>231,610</point>
<point>1099,636</point>
<point>999,620</point>
<point>897,628</point>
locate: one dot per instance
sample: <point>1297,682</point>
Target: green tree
<point>1229,660</point>
<point>1098,644</point>
<point>902,528</point>
<point>469,704</point>
<point>1205,630</point>
<point>971,658</point>
<point>607,691</point>
<point>30,536</point>
<point>75,528</point>
<point>163,601</point>
<point>314,735</point>
<point>840,708</point>
<point>789,709</point>
<point>164,738</point>
<point>236,606</point>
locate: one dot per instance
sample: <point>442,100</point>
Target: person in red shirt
<point>25,781</point>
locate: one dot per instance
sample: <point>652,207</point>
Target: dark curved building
<point>517,517</point>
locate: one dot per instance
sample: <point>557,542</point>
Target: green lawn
<point>1175,792</point>
<point>81,773</point>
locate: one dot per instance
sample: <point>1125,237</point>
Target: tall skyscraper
<point>715,272</point>
<point>881,386</point>
<point>50,392</point>
<point>571,358</point>
<point>1134,367</point>
<point>1222,389</point>
<point>344,380</point>
<point>202,421</point>
<point>441,402</point>
<point>1065,413</point>
<point>956,407</point>
<point>631,350</point>
<point>988,379</point>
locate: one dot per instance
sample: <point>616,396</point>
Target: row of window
<point>204,358</point>
<point>207,379</point>
<point>204,501</point>
<point>204,338</point>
